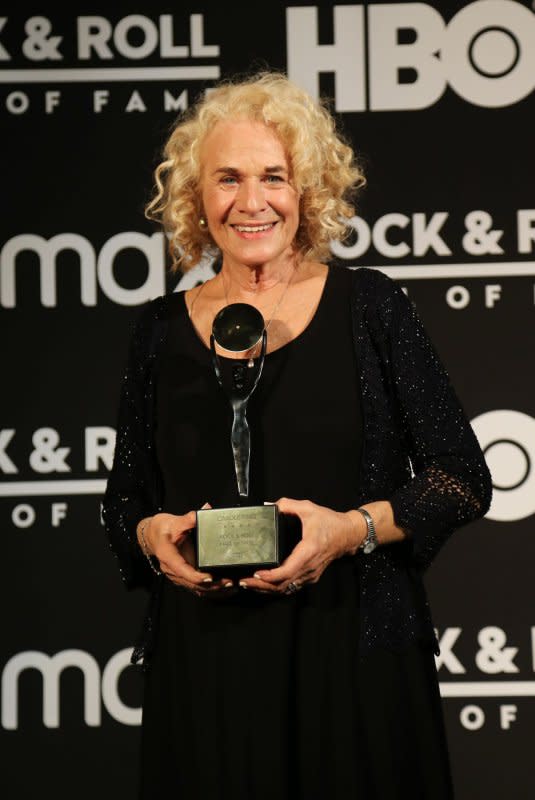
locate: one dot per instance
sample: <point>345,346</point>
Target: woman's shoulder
<point>379,299</point>
<point>159,308</point>
<point>149,326</point>
<point>373,283</point>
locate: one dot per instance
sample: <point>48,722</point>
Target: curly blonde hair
<point>323,168</point>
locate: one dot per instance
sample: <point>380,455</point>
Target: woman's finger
<point>171,561</point>
<point>220,588</point>
<point>257,585</point>
<point>296,563</point>
<point>288,505</point>
<point>181,526</point>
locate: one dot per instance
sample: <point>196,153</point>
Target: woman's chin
<point>257,256</point>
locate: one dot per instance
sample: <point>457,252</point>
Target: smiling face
<point>251,208</point>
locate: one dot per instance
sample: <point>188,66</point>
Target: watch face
<point>369,547</point>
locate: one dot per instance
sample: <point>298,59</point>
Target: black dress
<point>254,697</point>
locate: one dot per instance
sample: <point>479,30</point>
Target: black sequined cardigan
<point>419,452</point>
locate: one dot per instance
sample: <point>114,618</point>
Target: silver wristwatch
<point>370,542</point>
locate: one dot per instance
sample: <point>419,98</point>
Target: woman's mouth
<point>254,231</point>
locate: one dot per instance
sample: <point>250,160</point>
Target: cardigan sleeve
<point>451,484</point>
<point>129,492</point>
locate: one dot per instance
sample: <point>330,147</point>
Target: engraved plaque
<point>237,537</point>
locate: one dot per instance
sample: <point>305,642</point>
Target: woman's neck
<point>243,280</point>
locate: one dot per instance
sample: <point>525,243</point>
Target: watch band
<point>370,542</point>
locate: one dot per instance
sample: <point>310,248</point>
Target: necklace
<point>250,362</point>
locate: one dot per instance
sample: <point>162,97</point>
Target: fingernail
<point>257,576</point>
<point>207,580</point>
<point>243,585</point>
<point>206,505</point>
<point>228,584</point>
<point>269,503</point>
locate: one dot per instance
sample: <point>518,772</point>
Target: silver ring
<point>292,588</point>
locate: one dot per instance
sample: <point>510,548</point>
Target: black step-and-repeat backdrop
<point>438,99</point>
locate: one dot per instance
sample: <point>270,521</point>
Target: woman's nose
<point>250,196</point>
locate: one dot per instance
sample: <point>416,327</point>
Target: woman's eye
<point>228,180</point>
<point>274,178</point>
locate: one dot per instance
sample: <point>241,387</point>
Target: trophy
<point>246,537</point>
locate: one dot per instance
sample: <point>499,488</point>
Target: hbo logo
<point>486,53</point>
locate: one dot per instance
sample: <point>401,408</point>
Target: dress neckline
<point>306,330</point>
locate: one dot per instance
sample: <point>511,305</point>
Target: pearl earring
<point>202,222</point>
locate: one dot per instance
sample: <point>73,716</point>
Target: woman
<point>315,679</point>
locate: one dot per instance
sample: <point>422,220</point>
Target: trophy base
<point>242,539</point>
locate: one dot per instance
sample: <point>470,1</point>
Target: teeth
<point>253,228</point>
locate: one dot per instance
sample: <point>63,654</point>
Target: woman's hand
<point>327,535</point>
<point>168,538</point>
